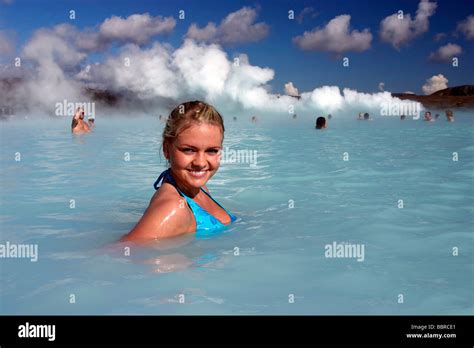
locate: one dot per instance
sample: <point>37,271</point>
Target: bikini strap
<point>165,175</point>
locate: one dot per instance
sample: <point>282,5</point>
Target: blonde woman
<point>78,125</point>
<point>192,144</point>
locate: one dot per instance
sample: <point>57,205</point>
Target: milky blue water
<point>299,197</point>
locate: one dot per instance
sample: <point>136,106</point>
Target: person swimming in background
<point>78,125</point>
<point>254,119</point>
<point>436,116</point>
<point>320,122</point>
<point>366,116</point>
<point>361,116</point>
<point>402,117</point>
<point>428,117</point>
<point>329,116</point>
<point>234,118</point>
<point>294,116</point>
<point>91,121</point>
<point>192,144</point>
<point>450,115</point>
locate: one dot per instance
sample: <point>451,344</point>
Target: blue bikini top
<point>206,224</point>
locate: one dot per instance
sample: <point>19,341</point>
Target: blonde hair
<point>185,114</point>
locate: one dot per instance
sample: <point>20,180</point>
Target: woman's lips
<point>198,174</point>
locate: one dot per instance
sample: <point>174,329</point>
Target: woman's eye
<point>188,150</point>
<point>213,151</point>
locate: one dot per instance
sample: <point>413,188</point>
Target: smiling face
<point>194,155</point>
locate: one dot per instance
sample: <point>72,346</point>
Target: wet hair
<point>74,123</point>
<point>449,113</point>
<point>186,114</point>
<point>320,122</point>
<point>366,116</point>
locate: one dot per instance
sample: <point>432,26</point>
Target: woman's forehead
<point>201,135</point>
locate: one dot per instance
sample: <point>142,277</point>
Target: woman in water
<point>192,144</point>
<point>78,125</point>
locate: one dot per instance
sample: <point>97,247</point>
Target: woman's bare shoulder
<point>166,216</point>
<point>164,193</point>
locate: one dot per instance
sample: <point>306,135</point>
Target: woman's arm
<point>163,218</point>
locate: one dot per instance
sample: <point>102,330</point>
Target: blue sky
<point>401,70</point>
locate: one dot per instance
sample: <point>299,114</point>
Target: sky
<point>385,49</point>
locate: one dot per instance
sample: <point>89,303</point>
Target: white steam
<point>291,90</point>
<point>152,74</point>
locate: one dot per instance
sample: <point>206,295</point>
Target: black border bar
<point>221,330</point>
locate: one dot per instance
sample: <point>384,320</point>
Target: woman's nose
<point>200,159</point>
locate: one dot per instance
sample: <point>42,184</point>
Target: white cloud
<point>446,53</point>
<point>467,27</point>
<point>335,37</point>
<point>381,86</point>
<point>291,90</point>
<point>435,83</point>
<point>6,46</point>
<point>237,27</point>
<point>399,31</point>
<point>137,28</point>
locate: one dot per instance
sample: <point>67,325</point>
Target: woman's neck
<point>191,192</point>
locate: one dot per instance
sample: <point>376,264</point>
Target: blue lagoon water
<point>75,196</point>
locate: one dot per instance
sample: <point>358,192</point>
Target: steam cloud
<point>61,68</point>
